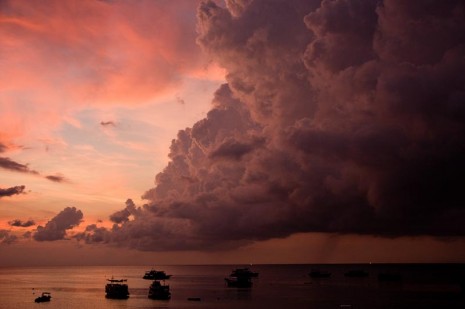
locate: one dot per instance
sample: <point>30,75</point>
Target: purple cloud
<point>20,223</point>
<point>12,191</point>
<point>56,228</point>
<point>8,164</point>
<point>56,178</point>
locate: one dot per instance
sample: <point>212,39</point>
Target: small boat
<point>116,289</point>
<point>46,296</point>
<point>243,272</point>
<point>316,273</point>
<point>155,275</point>
<point>238,282</point>
<point>357,273</point>
<point>241,278</point>
<point>159,291</point>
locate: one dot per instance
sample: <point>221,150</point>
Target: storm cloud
<point>56,228</point>
<point>340,116</point>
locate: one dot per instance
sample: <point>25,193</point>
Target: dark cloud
<point>234,149</point>
<point>7,238</point>
<point>93,234</point>
<point>20,223</point>
<point>340,116</point>
<point>56,228</point>
<point>12,191</point>
<point>123,215</point>
<point>56,178</point>
<point>8,164</point>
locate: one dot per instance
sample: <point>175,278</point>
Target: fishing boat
<point>239,282</point>
<point>243,272</point>
<point>159,291</point>
<point>46,296</point>
<point>116,289</point>
<point>155,275</point>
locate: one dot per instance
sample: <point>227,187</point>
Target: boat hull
<point>238,282</point>
<point>159,291</point>
<point>116,291</point>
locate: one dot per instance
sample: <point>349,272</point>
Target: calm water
<point>278,286</point>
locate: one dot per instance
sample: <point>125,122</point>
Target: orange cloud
<point>79,53</point>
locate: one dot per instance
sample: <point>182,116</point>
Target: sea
<point>415,286</point>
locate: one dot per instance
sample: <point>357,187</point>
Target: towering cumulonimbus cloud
<point>56,228</point>
<point>342,116</point>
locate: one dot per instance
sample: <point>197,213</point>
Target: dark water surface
<point>278,286</point>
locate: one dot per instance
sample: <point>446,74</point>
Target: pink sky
<point>329,143</point>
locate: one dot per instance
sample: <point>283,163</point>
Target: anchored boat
<point>156,275</point>
<point>241,278</point>
<point>116,289</point>
<point>159,291</point>
<point>46,296</point>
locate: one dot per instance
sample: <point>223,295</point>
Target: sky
<point>236,131</point>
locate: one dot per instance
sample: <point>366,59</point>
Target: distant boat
<point>316,273</point>
<point>46,296</point>
<point>159,291</point>
<point>241,278</point>
<point>155,275</point>
<point>357,273</point>
<point>239,282</point>
<point>117,289</point>
<point>243,272</point>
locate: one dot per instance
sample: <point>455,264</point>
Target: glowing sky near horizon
<point>238,130</point>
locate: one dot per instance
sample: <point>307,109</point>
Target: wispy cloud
<point>108,123</point>
<point>8,164</point>
<point>12,191</point>
<point>56,178</point>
